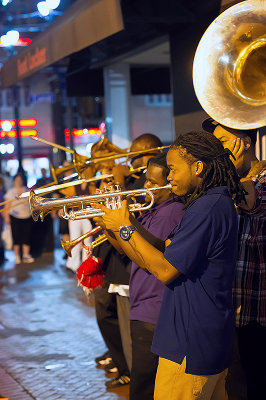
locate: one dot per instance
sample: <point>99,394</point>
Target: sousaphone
<point>229,71</point>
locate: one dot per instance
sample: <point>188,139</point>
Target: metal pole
<point>16,94</point>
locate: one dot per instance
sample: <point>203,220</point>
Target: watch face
<point>125,233</point>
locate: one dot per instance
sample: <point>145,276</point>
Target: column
<point>117,91</point>
<point>188,113</point>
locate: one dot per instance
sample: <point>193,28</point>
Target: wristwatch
<point>126,232</point>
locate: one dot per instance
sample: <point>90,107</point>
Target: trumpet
<point>69,245</point>
<point>40,206</point>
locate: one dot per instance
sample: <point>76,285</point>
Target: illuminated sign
<point>83,132</point>
<point>11,134</point>
<point>31,61</point>
<point>22,123</point>
<point>20,42</point>
<point>28,132</point>
<point>12,122</point>
<point>27,122</point>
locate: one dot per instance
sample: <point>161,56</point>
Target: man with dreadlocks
<point>194,333</point>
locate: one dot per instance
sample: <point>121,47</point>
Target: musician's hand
<point>99,221</point>
<point>89,172</point>
<point>61,213</point>
<point>113,219</point>
<point>120,172</point>
<point>237,147</point>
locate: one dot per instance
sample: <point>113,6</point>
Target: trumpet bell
<point>37,206</point>
<point>229,70</point>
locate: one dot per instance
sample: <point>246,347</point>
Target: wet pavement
<point>48,335</point>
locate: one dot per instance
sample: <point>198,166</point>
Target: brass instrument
<point>112,199</point>
<point>99,240</point>
<point>48,189</point>
<point>58,171</point>
<point>103,143</point>
<point>80,163</point>
<point>229,71</point>
<point>65,185</point>
<point>79,160</point>
<point>68,245</point>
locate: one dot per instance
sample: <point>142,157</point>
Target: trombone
<point>40,206</point>
<point>69,245</point>
<point>53,187</point>
<point>80,162</point>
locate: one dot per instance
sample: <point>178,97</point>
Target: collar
<point>218,190</point>
<point>258,167</point>
<point>159,206</point>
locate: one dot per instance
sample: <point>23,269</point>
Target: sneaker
<point>101,359</point>
<point>18,260</point>
<point>119,381</point>
<point>28,259</point>
<point>110,367</point>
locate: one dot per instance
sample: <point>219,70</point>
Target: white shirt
<point>20,208</point>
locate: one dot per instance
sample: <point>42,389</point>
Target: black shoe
<point>119,381</point>
<point>102,357</point>
<point>110,367</point>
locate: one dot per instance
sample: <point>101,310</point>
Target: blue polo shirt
<point>196,318</point>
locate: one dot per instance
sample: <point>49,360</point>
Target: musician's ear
<point>198,167</point>
<point>247,142</point>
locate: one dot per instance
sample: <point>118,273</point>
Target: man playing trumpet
<point>194,333</point>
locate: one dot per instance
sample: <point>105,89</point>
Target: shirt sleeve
<point>259,184</point>
<point>189,243</point>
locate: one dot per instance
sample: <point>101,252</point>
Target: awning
<point>83,24</point>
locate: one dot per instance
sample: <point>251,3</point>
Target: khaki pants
<point>173,383</point>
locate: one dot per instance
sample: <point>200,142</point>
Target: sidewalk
<point>48,335</point>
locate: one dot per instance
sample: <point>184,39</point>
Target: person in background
<point>19,216</point>
<point>42,238</point>
<point>249,288</point>
<point>43,180</point>
<point>2,248</point>
<point>63,223</point>
<point>114,322</point>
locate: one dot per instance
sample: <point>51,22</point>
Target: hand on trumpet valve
<point>113,219</point>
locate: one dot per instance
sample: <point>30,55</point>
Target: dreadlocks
<point>218,168</point>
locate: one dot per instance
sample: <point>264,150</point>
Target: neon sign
<point>83,132</point>
<point>22,123</point>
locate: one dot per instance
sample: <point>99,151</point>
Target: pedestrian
<point>19,217</point>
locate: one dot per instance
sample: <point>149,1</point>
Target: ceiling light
<point>43,8</point>
<point>10,39</point>
<point>13,37</point>
<point>10,148</point>
<point>5,2</point>
<point>6,126</point>
<point>53,4</point>
<point>2,148</point>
